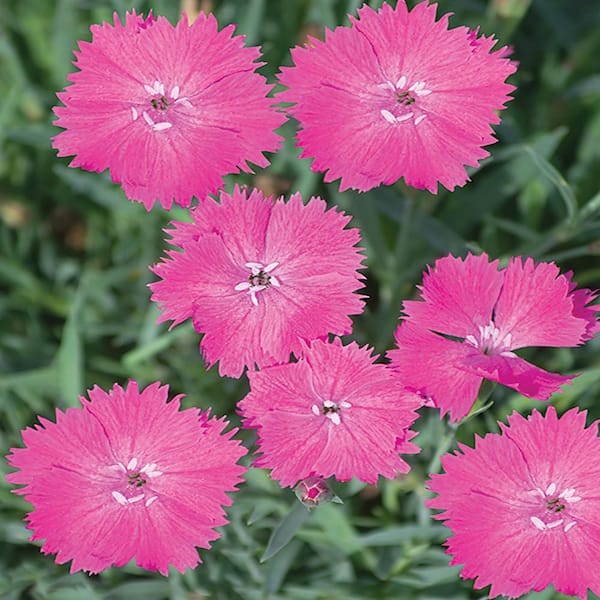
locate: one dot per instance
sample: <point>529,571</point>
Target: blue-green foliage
<point>75,311</point>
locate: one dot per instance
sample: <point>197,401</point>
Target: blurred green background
<point>75,311</point>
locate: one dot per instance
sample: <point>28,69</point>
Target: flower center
<point>260,279</point>
<point>491,341</point>
<point>554,510</point>
<point>406,106</point>
<point>155,114</point>
<point>331,410</point>
<point>136,485</point>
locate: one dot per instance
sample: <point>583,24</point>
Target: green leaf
<point>285,531</point>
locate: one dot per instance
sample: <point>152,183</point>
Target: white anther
<point>162,126</point>
<point>151,500</point>
<point>401,82</point>
<point>345,404</point>
<point>118,467</point>
<point>571,499</point>
<point>132,464</point>
<point>334,417</point>
<point>551,489</point>
<point>253,298</point>
<point>159,88</point>
<point>148,119</point>
<point>315,409</point>
<point>538,523</point>
<point>256,267</point>
<point>274,281</point>
<point>270,267</point>
<point>148,467</point>
<point>567,493</point>
<point>422,92</point>
<point>135,498</point>
<point>569,526</point>
<point>134,113</point>
<point>184,101</point>
<point>242,286</point>
<point>119,498</point>
<point>175,92</point>
<point>388,116</point>
<point>417,121</point>
<point>154,473</point>
<point>149,89</point>
<point>405,117</point>
<point>329,404</point>
<point>555,524</point>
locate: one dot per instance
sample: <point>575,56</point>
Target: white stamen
<point>329,404</point>
<point>417,121</point>
<point>422,92</point>
<point>162,126</point>
<point>135,498</point>
<point>540,492</point>
<point>538,523</point>
<point>132,464</point>
<point>554,524</point>
<point>149,89</point>
<point>470,339</point>
<point>184,101</point>
<point>119,498</point>
<point>270,267</point>
<point>148,118</point>
<point>253,298</point>
<point>242,286</point>
<point>274,281</point>
<point>159,87</point>
<point>334,417</point>
<point>154,473</point>
<point>345,404</point>
<point>388,116</point>
<point>405,117</point>
<point>569,526</point>
<point>134,113</point>
<point>551,489</point>
<point>256,267</point>
<point>118,467</point>
<point>566,493</point>
<point>175,92</point>
<point>151,500</point>
<point>573,499</point>
<point>148,467</point>
<point>401,82</point>
<point>315,409</point>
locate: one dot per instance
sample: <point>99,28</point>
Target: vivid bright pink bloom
<point>335,412</point>
<point>258,276</point>
<point>169,110</point>
<point>397,94</point>
<point>489,313</point>
<point>523,506</point>
<point>127,476</point>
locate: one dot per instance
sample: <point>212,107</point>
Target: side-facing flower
<point>168,110</point>
<point>335,412</point>
<point>487,314</point>
<point>258,276</point>
<point>397,94</point>
<point>126,476</point>
<point>523,505</point>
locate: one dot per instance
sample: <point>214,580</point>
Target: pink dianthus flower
<point>489,313</point>
<point>258,276</point>
<point>168,110</point>
<point>395,95</point>
<point>335,412</point>
<point>523,506</point>
<point>127,476</point>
